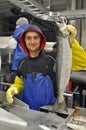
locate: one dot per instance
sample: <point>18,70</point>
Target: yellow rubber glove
<point>14,89</point>
<point>72,32</point>
<point>10,94</point>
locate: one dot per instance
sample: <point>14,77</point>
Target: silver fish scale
<point>64,65</point>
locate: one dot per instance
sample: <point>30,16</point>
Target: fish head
<point>62,29</point>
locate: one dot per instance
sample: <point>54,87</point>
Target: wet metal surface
<point>35,120</point>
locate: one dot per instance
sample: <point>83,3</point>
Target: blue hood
<point>18,32</point>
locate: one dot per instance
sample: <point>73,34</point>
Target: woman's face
<point>32,41</point>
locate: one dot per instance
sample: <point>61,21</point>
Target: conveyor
<point>38,11</point>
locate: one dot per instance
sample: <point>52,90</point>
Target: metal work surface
<point>5,126</point>
<point>34,119</point>
<point>18,116</point>
<point>17,102</point>
<point>7,117</point>
<point>49,120</point>
<point>48,108</point>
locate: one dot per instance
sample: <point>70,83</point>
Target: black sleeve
<point>21,68</point>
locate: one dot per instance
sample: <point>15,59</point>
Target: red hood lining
<point>22,42</point>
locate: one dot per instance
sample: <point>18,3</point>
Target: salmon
<point>63,65</point>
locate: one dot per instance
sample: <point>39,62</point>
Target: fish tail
<point>61,106</point>
<point>55,106</point>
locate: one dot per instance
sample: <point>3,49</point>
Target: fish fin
<point>61,106</point>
